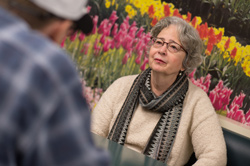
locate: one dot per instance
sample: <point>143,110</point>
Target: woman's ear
<point>57,30</point>
<point>184,63</point>
<point>182,68</point>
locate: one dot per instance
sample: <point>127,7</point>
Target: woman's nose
<point>163,49</point>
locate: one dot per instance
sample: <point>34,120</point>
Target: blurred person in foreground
<point>160,112</point>
<point>44,119</point>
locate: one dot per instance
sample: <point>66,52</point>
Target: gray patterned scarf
<point>169,104</point>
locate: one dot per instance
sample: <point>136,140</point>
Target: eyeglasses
<point>171,46</point>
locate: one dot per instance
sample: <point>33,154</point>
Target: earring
<point>181,72</point>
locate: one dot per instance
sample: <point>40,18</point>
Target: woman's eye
<point>158,42</point>
<point>174,47</point>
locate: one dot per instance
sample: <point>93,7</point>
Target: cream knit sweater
<point>199,128</point>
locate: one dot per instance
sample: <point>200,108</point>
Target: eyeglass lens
<point>171,46</point>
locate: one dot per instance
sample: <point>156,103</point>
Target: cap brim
<point>84,24</point>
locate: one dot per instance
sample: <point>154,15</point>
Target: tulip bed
<point>118,46</point>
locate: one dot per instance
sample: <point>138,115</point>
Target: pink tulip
<point>238,115</point>
<point>113,17</point>
<point>88,9</point>
<point>127,43</point>
<point>238,100</point>
<point>114,30</point>
<point>125,24</point>
<point>85,48</point>
<point>112,44</point>
<point>212,96</point>
<point>82,50</point>
<point>132,31</point>
<point>81,36</point>
<point>118,44</point>
<point>107,29</point>
<point>191,75</point>
<point>125,58</point>
<point>120,35</point>
<point>220,96</point>
<point>63,42</point>
<point>103,26</point>
<point>73,37</point>
<point>203,83</point>
<point>247,116</point>
<point>146,38</point>
<point>96,47</point>
<point>143,66</point>
<point>135,42</point>
<point>133,24</point>
<point>97,50</point>
<point>106,45</point>
<point>95,21</point>
<point>103,38</point>
<point>138,59</point>
<point>207,81</point>
<point>139,33</point>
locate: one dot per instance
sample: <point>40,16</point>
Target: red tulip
<point>233,52</point>
<point>219,37</point>
<point>166,10</point>
<point>194,21</point>
<point>227,43</point>
<point>154,21</point>
<point>151,11</point>
<point>176,13</point>
<point>189,15</point>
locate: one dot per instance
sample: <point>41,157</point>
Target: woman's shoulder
<point>125,80</point>
<point>122,84</point>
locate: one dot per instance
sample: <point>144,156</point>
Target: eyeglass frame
<point>182,48</point>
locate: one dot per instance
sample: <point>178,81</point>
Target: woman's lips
<point>159,60</point>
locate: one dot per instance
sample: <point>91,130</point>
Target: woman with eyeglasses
<point>160,112</point>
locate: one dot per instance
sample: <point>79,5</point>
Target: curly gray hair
<point>188,37</point>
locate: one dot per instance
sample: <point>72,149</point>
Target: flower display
<point>118,46</point>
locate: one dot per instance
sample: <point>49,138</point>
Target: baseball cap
<point>75,10</point>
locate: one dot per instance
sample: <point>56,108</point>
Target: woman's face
<point>161,59</point>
